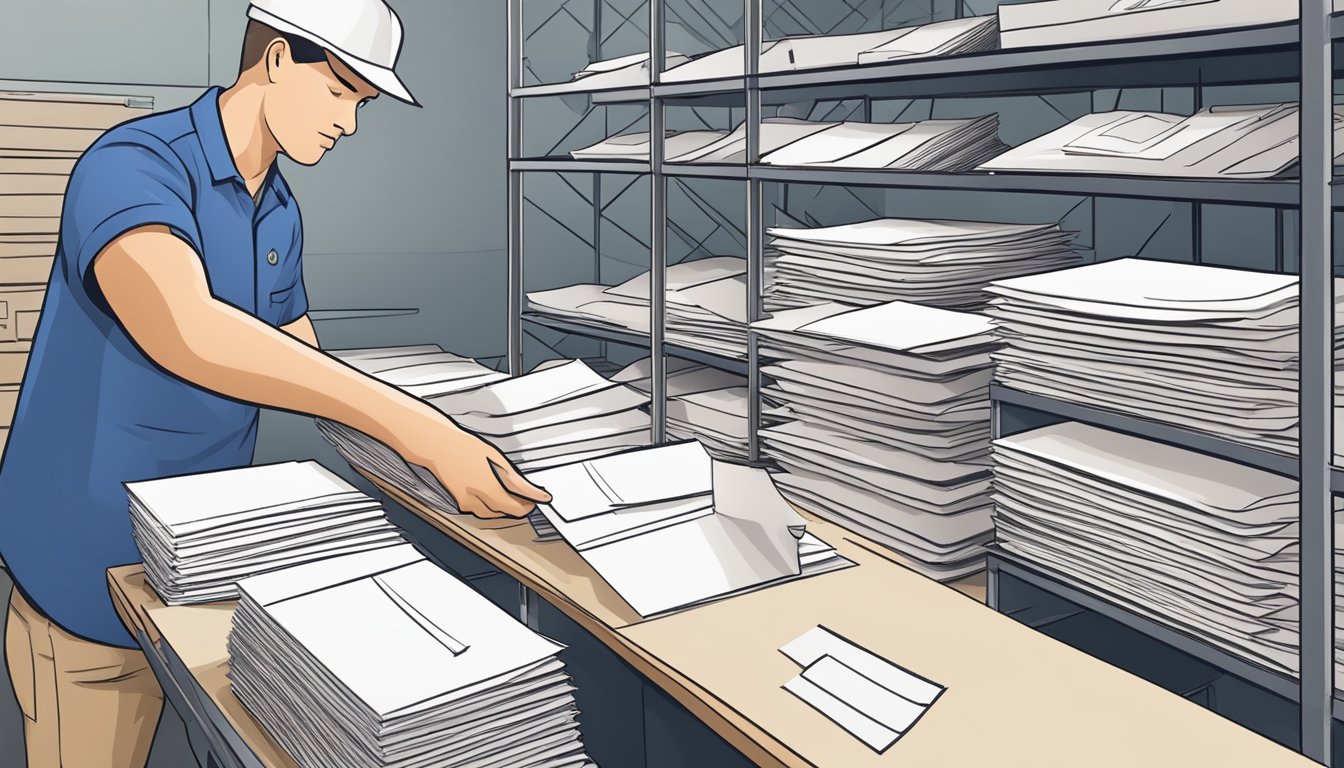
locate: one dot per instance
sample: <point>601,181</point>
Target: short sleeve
<point>122,184</point>
<point>296,303</point>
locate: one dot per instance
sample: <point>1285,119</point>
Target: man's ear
<point>276,54</point>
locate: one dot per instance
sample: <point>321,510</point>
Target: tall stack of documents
<point>423,370</point>
<point>41,137</point>
<point>1080,22</point>
<point>1225,142</point>
<point>703,403</point>
<point>554,415</point>
<point>669,527</point>
<point>200,534</point>
<point>1209,349</point>
<point>706,304</point>
<point>939,263</point>
<point>944,38</point>
<point>384,660</point>
<point>890,425</point>
<point>1193,541</point>
<point>927,145</point>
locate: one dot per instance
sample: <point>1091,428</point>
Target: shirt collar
<point>210,131</point>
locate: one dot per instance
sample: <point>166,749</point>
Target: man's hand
<point>481,480</point>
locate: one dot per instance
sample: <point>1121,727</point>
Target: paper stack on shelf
<point>684,377</point>
<point>199,534</point>
<point>939,263</point>
<point>1195,542</point>
<point>927,145</point>
<point>624,72</point>
<point>891,425</point>
<point>556,414</point>
<point>706,304</point>
<point>384,660</point>
<point>703,403</point>
<point>635,146</point>
<point>669,527</point>
<point>1209,349</point>
<point>41,137</point>
<point>1082,22</point>
<point>423,370</point>
<point>1224,142</point>
<point>944,38</point>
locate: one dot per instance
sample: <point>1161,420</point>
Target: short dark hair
<point>258,38</point>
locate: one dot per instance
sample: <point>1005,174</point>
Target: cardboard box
<point>19,309</point>
<point>48,138</point>
<point>12,365</point>
<point>26,269</point>
<point>31,205</point>
<point>9,401</point>
<point>33,183</point>
<point>46,166</point>
<point>30,225</point>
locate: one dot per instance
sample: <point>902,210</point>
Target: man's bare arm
<point>302,329</point>
<point>156,286</point>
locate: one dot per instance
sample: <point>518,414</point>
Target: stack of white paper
<point>1209,349</point>
<point>928,145</point>
<point>668,527</point>
<point>940,263</point>
<point>944,38</point>
<point>624,72</point>
<point>554,415</point>
<point>683,377</point>
<point>871,698</point>
<point>424,370</point>
<point>718,418</point>
<point>384,660</point>
<point>891,429</point>
<point>1069,22</point>
<point>200,534</point>
<point>1196,542</point>
<point>1231,142</point>
<point>706,304</point>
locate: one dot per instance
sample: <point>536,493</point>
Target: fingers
<point>496,502</point>
<point>514,482</point>
<point>473,505</point>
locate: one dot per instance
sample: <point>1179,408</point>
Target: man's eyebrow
<point>346,83</point>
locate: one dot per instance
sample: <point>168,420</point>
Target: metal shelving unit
<point>1302,52</point>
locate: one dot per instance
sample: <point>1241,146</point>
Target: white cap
<point>365,34</point>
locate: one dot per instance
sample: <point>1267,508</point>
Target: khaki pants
<point>85,705</point>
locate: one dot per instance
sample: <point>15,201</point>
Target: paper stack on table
<point>199,534</point>
<point>1198,543</point>
<point>944,38</point>
<point>41,137</point>
<point>927,145</point>
<point>1225,142</point>
<point>554,415</point>
<point>1209,349</point>
<point>873,699</point>
<point>706,304</point>
<point>939,263</point>
<point>624,72</point>
<point>891,425</point>
<point>384,660</point>
<point>1070,22</point>
<point>669,527</point>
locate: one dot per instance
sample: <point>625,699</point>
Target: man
<point>175,309</point>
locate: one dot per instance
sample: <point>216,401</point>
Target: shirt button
<point>272,258</point>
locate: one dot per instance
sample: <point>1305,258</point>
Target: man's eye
<point>334,92</point>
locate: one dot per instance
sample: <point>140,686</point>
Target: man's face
<point>311,106</point>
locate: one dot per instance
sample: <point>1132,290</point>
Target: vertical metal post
<point>528,608</point>
<point>515,190</point>
<point>754,226</point>
<point>1315,393</point>
<point>658,227</point>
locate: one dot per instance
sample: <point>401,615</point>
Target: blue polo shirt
<point>95,412</point>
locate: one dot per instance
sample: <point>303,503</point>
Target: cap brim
<point>380,77</point>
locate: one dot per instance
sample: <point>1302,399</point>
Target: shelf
<point>1337,479</point>
<point>706,171</point>
<point>570,165</point>
<point>1279,464</point>
<point>1223,57</point>
<point>599,96</point>
<point>1260,192</point>
<point>635,339</point>
<point>1059,585</point>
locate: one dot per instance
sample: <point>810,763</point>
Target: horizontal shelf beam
<point>598,96</point>
<point>635,339</point>
<point>1269,461</point>
<point>1061,586</point>
<point>570,165</point>
<point>706,171</point>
